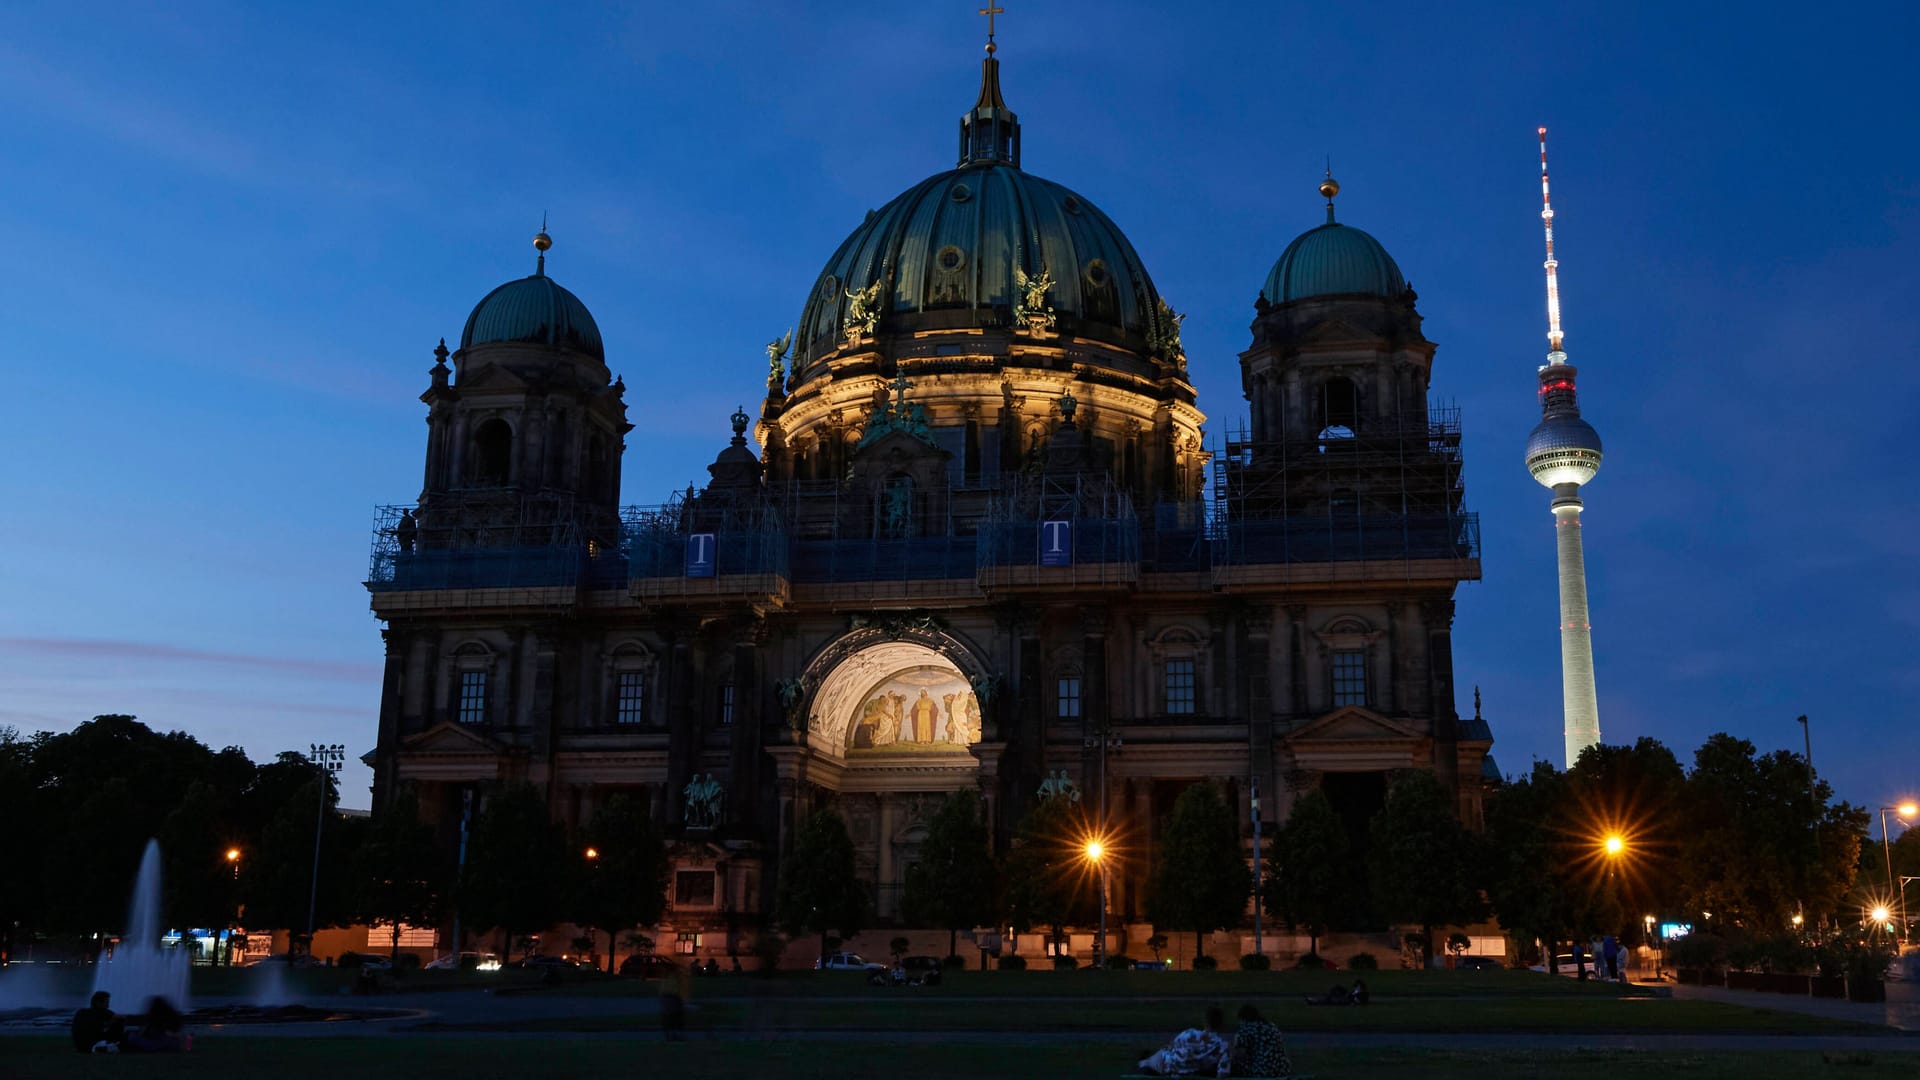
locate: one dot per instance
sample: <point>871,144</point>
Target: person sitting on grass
<point>162,1033</point>
<point>1201,1051</point>
<point>1358,995</point>
<point>1337,994</point>
<point>1257,1047</point>
<point>95,1029</point>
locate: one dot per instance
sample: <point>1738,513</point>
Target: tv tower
<point>1562,454</point>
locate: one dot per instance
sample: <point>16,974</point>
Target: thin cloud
<point>137,651</point>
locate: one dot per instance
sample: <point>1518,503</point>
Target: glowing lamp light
<point>1614,845</point>
<point>1096,850</point>
<point>1907,809</point>
<point>1880,914</point>
<point>233,854</point>
<point>1798,919</point>
<point>593,853</point>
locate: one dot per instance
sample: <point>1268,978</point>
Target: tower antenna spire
<point>1556,353</point>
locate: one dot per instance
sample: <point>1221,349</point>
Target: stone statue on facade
<point>1030,309</point>
<point>704,796</point>
<point>1059,785</point>
<point>1165,337</point>
<point>777,360</point>
<point>863,312</point>
<point>791,692</point>
<point>984,687</point>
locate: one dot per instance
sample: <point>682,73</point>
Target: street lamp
<point>233,860</point>
<point>1614,845</point>
<point>1096,851</point>
<point>1905,812</point>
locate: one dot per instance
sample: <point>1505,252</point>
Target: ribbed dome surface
<point>946,249</point>
<point>536,311</point>
<point>1333,260</point>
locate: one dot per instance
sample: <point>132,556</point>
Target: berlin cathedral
<point>974,538</point>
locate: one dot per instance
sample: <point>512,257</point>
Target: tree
<point>1200,878</point>
<point>1308,875</point>
<point>1422,862</point>
<point>953,883</point>
<point>1046,870</point>
<point>1747,851</point>
<point>818,890</point>
<point>399,873</point>
<point>515,872</point>
<point>1526,860</point>
<point>625,884</point>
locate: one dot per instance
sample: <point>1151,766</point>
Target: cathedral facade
<point>972,539</point>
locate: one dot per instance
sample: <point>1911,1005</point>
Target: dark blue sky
<point>235,236</point>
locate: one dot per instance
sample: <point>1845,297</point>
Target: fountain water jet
<point>141,967</point>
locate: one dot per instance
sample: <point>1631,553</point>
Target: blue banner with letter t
<point>700,551</point>
<point>1056,543</point>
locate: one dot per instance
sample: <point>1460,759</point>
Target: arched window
<point>1339,412</point>
<point>492,453</point>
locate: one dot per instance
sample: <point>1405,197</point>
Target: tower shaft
<point>1579,701</point>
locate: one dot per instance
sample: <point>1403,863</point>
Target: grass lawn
<point>453,1059</point>
<point>1126,984</point>
<point>890,1012</point>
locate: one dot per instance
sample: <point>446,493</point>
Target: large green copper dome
<point>1333,260</point>
<point>949,253</point>
<point>535,311</point>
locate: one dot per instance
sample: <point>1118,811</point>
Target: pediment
<point>448,737</point>
<point>1354,723</point>
<point>898,446</point>
<point>1335,330</point>
<point>492,377</point>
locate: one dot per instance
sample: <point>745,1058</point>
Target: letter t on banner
<point>1056,543</point>
<point>700,550</point>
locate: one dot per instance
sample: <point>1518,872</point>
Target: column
<point>889,906</point>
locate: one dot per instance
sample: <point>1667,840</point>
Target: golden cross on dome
<point>990,11</point>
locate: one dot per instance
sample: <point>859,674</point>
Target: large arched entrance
<point>891,728</point>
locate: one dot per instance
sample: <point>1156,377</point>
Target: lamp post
<point>1255,803</point>
<point>328,758</point>
<point>1097,855</point>
<point>233,860</point>
<point>1905,813</point>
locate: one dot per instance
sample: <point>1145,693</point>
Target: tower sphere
<point>1563,450</point>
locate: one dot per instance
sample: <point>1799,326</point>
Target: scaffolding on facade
<point>1392,490</point>
<point>493,540</point>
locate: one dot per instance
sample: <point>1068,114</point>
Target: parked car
<point>920,963</point>
<point>647,966</point>
<point>369,961</point>
<point>1477,963</point>
<point>846,961</point>
<point>544,963</point>
<point>292,960</point>
<point>478,961</point>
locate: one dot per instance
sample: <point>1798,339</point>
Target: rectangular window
<point>1349,677</point>
<point>630,707</point>
<point>686,943</point>
<point>473,697</point>
<point>694,887</point>
<point>726,705</point>
<point>1180,687</point>
<point>1069,699</point>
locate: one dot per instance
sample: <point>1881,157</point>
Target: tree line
<point>1736,841</point>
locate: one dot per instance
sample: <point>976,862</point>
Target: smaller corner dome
<point>1333,260</point>
<point>534,311</point>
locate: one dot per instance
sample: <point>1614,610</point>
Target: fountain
<point>141,968</point>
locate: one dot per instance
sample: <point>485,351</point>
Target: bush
<point>1119,962</point>
<point>1707,952</point>
<point>1364,961</point>
<point>1065,963</point>
<point>1013,962</point>
<point>1204,962</point>
<point>954,961</point>
<point>1255,962</point>
<point>1312,962</point>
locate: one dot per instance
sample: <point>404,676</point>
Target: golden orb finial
<point>541,242</point>
<point>1329,187</point>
